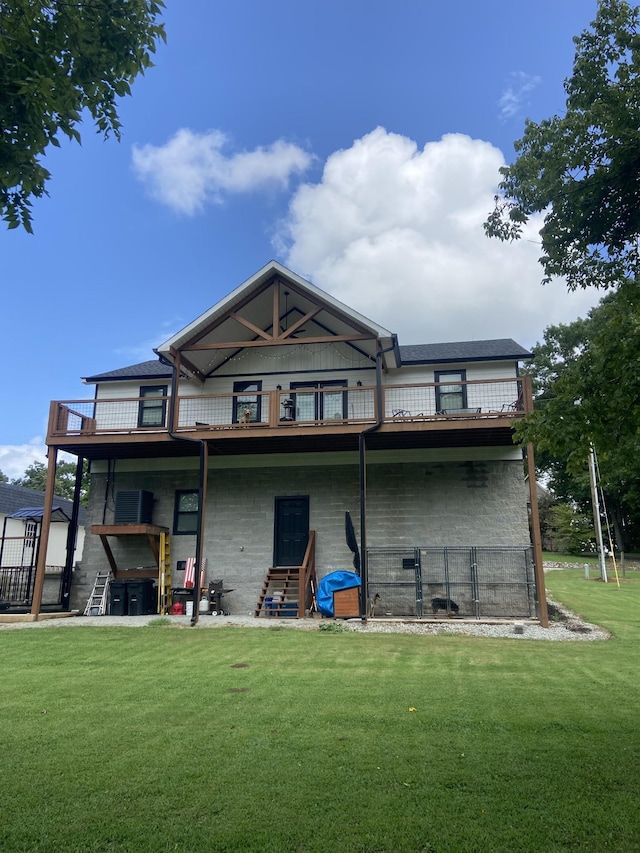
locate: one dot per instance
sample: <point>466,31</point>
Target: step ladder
<point>97,603</point>
<point>164,575</point>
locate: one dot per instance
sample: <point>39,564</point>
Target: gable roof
<point>499,349</point>
<point>265,310</point>
<point>16,498</point>
<point>245,317</point>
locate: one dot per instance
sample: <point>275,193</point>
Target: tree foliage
<point>57,59</point>
<point>586,379</point>
<point>35,477</point>
<point>571,531</point>
<point>582,169</point>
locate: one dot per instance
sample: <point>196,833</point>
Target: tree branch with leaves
<point>56,60</point>
<point>581,170</point>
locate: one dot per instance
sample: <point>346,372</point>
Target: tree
<point>3,478</point>
<point>35,477</point>
<point>582,169</point>
<point>572,531</point>
<point>58,58</point>
<point>586,378</point>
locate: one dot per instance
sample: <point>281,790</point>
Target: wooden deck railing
<point>307,575</point>
<point>281,410</point>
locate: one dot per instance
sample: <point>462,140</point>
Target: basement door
<point>291,530</point>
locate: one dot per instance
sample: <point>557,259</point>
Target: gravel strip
<point>571,628</point>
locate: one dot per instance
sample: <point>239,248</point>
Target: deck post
<point>44,533</point>
<point>363,526</point>
<point>202,506</point>
<point>537,539</point>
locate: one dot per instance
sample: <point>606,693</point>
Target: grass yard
<point>165,739</point>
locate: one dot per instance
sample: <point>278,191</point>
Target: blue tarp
<point>329,584</point>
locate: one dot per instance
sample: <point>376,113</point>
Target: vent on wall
<point>133,507</point>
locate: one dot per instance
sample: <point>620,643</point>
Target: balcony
<point>412,415</point>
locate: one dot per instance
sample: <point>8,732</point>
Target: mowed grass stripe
<point>153,740</point>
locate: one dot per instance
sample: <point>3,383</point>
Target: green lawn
<point>153,739</point>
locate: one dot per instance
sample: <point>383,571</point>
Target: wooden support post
<point>174,402</point>
<point>44,533</point>
<point>526,389</point>
<point>537,540</point>
<point>364,566</point>
<point>202,523</point>
<point>111,559</point>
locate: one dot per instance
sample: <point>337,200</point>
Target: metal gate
<point>471,582</point>
<point>18,560</point>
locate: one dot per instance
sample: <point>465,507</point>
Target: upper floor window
<point>451,394</point>
<point>247,401</point>
<point>153,408</point>
<point>323,400</point>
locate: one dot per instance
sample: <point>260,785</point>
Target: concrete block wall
<point>426,503</point>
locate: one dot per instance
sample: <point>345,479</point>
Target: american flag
<point>190,572</point>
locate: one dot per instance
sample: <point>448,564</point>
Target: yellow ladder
<point>164,575</point>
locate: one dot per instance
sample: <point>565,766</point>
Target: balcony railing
<point>282,410</point>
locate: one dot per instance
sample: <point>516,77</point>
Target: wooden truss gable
<point>278,313</point>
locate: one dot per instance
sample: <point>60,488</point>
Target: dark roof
<point>144,370</point>
<point>501,349</point>
<point>15,498</point>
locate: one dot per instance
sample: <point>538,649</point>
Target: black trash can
<point>141,598</point>
<point>118,600</point>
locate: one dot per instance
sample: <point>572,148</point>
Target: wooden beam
<point>238,307</point>
<point>325,339</point>
<point>128,529</point>
<point>299,323</point>
<point>155,547</point>
<point>110,558</point>
<point>543,613</point>
<point>175,384</point>
<point>276,307</point>
<point>251,326</point>
<point>190,366</point>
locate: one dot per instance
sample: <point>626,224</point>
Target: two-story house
<point>245,442</point>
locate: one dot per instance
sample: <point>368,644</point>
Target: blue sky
<point>358,142</point>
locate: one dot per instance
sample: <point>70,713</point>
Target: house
<point>261,424</point>
<point>21,515</point>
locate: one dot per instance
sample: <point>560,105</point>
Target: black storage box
<point>141,599</point>
<point>118,602</point>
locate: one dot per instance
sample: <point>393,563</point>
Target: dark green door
<point>291,534</point>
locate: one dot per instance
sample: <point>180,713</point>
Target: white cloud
<point>396,233</point>
<point>192,169</point>
<point>15,458</point>
<point>514,97</point>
